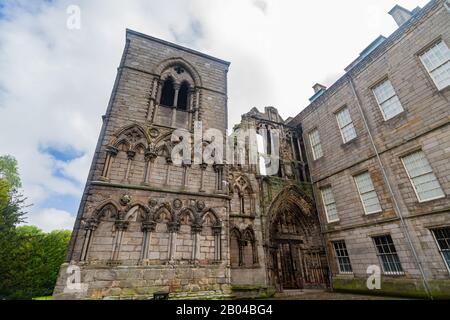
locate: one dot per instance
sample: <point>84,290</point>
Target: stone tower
<point>146,224</point>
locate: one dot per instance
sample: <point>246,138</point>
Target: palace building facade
<point>362,187</point>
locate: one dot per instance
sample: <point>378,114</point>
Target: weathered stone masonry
<point>217,231</point>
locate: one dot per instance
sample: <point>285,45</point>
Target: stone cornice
<point>154,189</point>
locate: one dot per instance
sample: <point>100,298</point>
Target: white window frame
<point>412,182</point>
<point>380,104</point>
<point>441,65</point>
<point>360,194</point>
<point>319,143</point>
<point>337,252</point>
<point>342,126</point>
<point>397,262</point>
<point>439,247</point>
<point>327,204</point>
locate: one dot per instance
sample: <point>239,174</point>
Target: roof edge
<point>176,46</point>
<point>378,51</point>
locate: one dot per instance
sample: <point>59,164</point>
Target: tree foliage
<point>29,258</point>
<point>9,171</point>
<point>33,258</point>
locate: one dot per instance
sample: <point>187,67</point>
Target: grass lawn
<point>43,298</point>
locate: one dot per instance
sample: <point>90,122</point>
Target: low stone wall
<point>139,282</point>
<point>252,291</point>
<point>395,287</point>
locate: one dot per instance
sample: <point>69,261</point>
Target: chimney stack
<point>318,87</point>
<point>400,15</point>
<point>318,91</point>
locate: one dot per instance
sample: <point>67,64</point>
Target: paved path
<point>323,295</point>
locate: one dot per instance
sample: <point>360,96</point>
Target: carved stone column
<point>130,155</point>
<point>169,164</point>
<point>191,108</point>
<point>203,168</point>
<point>197,105</point>
<point>120,226</point>
<point>184,179</point>
<point>196,229</point>
<point>217,232</point>
<point>176,87</point>
<point>111,153</point>
<point>153,96</point>
<point>90,227</point>
<point>147,228</point>
<point>150,156</point>
<point>173,228</point>
<point>158,100</point>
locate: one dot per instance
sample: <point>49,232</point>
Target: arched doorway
<point>297,257</point>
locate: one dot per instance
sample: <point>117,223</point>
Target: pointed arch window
<point>183,93</point>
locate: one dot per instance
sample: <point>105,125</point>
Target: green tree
<point>35,260</point>
<point>12,203</point>
<point>29,258</point>
<point>9,171</point>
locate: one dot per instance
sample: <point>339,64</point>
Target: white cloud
<point>52,219</point>
<point>55,83</point>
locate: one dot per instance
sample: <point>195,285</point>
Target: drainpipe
<point>394,199</point>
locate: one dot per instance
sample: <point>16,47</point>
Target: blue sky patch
<point>67,203</point>
<point>62,154</point>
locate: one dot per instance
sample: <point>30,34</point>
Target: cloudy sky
<point>55,82</point>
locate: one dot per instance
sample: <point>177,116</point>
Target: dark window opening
<point>442,237</point>
<point>345,265</point>
<point>168,93</point>
<point>296,150</point>
<point>269,142</point>
<point>388,255</point>
<point>182,103</point>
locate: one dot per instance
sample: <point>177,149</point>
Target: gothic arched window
<point>168,93</point>
<point>183,93</point>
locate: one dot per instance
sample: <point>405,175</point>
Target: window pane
<point>345,265</point>
<point>388,255</point>
<point>422,177</point>
<point>344,118</point>
<point>349,133</point>
<point>329,204</point>
<point>318,153</point>
<point>391,107</point>
<point>442,237</point>
<point>346,125</point>
<point>314,139</point>
<point>332,212</point>
<point>437,61</point>
<point>384,91</point>
<point>442,76</point>
<point>436,56</point>
<point>368,194</point>
<point>387,99</point>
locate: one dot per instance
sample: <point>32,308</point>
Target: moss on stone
<point>410,288</point>
<point>257,291</point>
